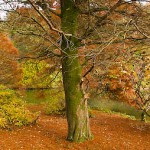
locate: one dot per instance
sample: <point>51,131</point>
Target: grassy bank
<point>110,106</point>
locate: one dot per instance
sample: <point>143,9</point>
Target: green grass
<point>121,108</point>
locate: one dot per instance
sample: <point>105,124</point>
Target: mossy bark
<point>76,104</point>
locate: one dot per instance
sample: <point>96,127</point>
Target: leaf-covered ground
<point>111,132</point>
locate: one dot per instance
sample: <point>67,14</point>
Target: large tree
<point>82,31</point>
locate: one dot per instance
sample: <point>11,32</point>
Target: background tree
<point>10,72</point>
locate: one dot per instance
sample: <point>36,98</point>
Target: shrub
<point>13,111</point>
<point>56,103</point>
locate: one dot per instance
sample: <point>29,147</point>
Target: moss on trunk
<point>76,104</point>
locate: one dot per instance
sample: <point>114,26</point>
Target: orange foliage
<point>10,73</point>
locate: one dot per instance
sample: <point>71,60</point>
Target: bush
<point>13,111</point>
<point>56,103</point>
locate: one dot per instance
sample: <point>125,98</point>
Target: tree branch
<point>47,20</point>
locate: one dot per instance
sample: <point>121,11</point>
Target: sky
<point>3,13</point>
<point>7,7</point>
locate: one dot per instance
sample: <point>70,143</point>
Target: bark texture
<point>76,104</point>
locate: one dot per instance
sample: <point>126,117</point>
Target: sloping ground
<point>111,132</point>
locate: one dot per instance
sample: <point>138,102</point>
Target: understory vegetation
<point>13,111</point>
<point>111,106</point>
<point>54,103</point>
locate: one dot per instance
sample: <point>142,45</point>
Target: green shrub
<point>13,111</point>
<point>56,103</point>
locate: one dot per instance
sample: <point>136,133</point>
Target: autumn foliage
<point>10,72</point>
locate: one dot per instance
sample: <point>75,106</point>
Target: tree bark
<point>143,117</point>
<point>76,104</point>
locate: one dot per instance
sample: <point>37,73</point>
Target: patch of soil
<point>111,132</point>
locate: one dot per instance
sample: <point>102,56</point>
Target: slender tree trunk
<point>143,117</point>
<point>76,104</point>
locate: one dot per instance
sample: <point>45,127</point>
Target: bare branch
<point>47,20</point>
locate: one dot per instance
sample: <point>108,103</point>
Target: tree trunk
<point>76,104</point>
<point>143,117</point>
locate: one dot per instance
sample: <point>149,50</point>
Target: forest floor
<point>111,132</point>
